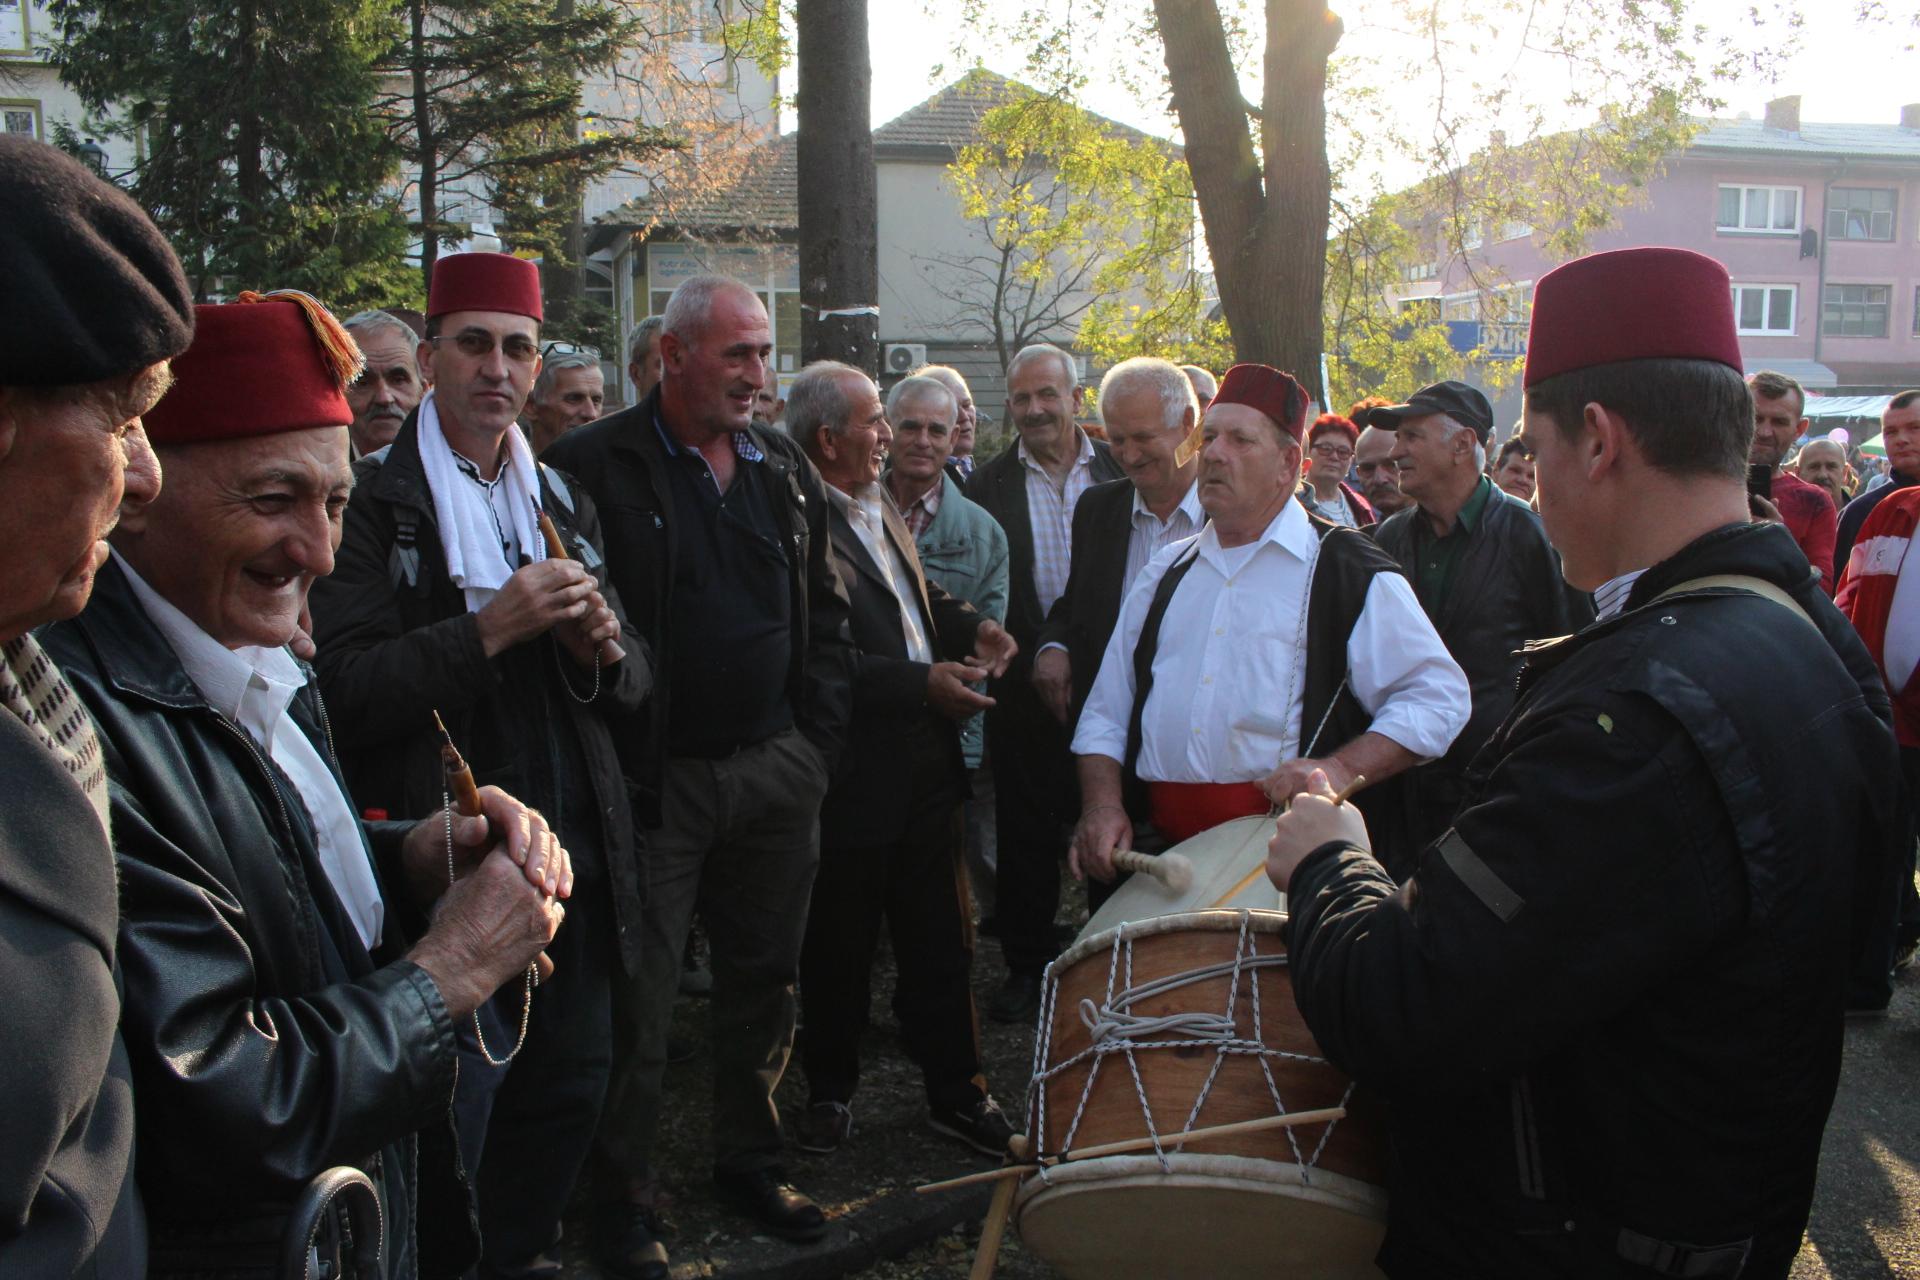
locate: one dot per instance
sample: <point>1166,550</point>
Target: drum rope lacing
<point>1115,1030</point>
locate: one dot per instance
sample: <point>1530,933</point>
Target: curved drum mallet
<point>1174,870</point>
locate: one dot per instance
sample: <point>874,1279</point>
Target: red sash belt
<point>1183,810</point>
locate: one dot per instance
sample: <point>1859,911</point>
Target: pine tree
<point>263,160</point>
<point>486,105</point>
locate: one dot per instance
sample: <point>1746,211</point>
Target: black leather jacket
<point>397,644</point>
<point>267,1045</point>
<point>1607,1005</point>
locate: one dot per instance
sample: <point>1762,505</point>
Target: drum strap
<point>1146,648</point>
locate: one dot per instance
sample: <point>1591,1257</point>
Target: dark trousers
<point>1036,801</point>
<point>739,838</point>
<point>918,881</point>
<point>1909,926</point>
<point>531,1123</point>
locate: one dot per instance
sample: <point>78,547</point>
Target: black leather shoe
<point>1017,1000</point>
<point>769,1199</point>
<point>626,1243</point>
<point>982,1126</point>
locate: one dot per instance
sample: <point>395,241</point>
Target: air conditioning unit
<point>1081,370</point>
<point>903,357</point>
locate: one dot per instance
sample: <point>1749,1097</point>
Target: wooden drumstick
<point>1174,870</point>
<point>998,1211</point>
<point>610,650</point>
<point>1359,780</point>
<point>464,796</point>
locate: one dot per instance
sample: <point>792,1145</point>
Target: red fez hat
<point>484,282</point>
<point>258,366</point>
<point>1278,395</point>
<point>1631,304</point>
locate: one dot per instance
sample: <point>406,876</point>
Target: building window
<point>1860,213</point>
<point>1857,310</point>
<point>13,26</point>
<point>1759,210</point>
<point>20,117</point>
<point>1765,309</point>
<point>1460,306</point>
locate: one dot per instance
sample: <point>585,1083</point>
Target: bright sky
<point>1842,71</point>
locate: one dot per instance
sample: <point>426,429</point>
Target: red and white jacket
<point>1885,616</point>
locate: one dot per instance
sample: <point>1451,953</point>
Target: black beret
<point>93,290</point>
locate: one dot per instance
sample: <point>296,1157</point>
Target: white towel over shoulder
<point>468,534</point>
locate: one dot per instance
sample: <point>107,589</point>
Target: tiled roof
<point>766,196</point>
<point>950,119</point>
<point>1881,141</point>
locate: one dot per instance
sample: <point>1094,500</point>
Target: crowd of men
<point>1630,805</point>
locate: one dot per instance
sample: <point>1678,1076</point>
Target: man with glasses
<point>444,599</point>
<point>1377,473</point>
<point>1324,490</point>
<point>1481,565</point>
<point>568,393</point>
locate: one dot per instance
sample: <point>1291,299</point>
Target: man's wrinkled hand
<point>1103,830</point>
<point>503,822</point>
<point>1053,681</point>
<point>581,637</point>
<point>993,648</point>
<point>487,929</point>
<point>1314,818</point>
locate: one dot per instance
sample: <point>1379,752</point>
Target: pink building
<point>1819,225</point>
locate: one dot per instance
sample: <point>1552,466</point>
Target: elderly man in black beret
<point>95,306</point>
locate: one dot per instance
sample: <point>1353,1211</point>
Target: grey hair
<point>642,334</point>
<point>692,302</point>
<point>817,397</point>
<point>1454,428</point>
<point>950,378</point>
<point>1163,376</point>
<point>1039,350</point>
<point>553,366</point>
<point>376,322</point>
<point>919,386</point>
<point>1200,377</point>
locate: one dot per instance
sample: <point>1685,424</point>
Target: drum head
<point>1211,1218</point>
<point>1221,857</point>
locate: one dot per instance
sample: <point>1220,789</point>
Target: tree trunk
<point>839,240</point>
<point>1266,233</point>
<point>250,176</point>
<point>426,142</point>
<point>561,281</point>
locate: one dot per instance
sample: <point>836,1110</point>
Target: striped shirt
<point>1611,596</point>
<point>1050,507</point>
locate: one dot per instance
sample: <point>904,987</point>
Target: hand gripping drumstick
<point>1174,870</point>
<point>610,650</point>
<point>1359,781</point>
<point>465,797</point>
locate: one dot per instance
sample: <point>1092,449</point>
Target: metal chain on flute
<point>460,795</point>
<point>609,651</point>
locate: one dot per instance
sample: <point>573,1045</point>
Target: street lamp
<point>94,156</point>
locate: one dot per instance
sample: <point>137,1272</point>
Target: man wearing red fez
<point>279,1017</point>
<point>1273,643</point>
<point>452,595</point>
<point>1606,1008</point>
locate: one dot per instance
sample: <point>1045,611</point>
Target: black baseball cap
<point>1464,404</point>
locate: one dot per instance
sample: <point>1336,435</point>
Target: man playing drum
<point>1270,645</point>
<point>1607,1006</point>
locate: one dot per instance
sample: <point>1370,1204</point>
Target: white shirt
<point>252,687</point>
<point>862,509</point>
<point>1050,511</point>
<point>1228,677</point>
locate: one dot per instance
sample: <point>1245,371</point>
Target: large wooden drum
<point>1183,1022</point>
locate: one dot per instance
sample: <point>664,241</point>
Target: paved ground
<point>1866,1218</point>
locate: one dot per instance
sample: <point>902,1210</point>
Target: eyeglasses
<point>1332,452</point>
<point>568,349</point>
<point>477,343</point>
